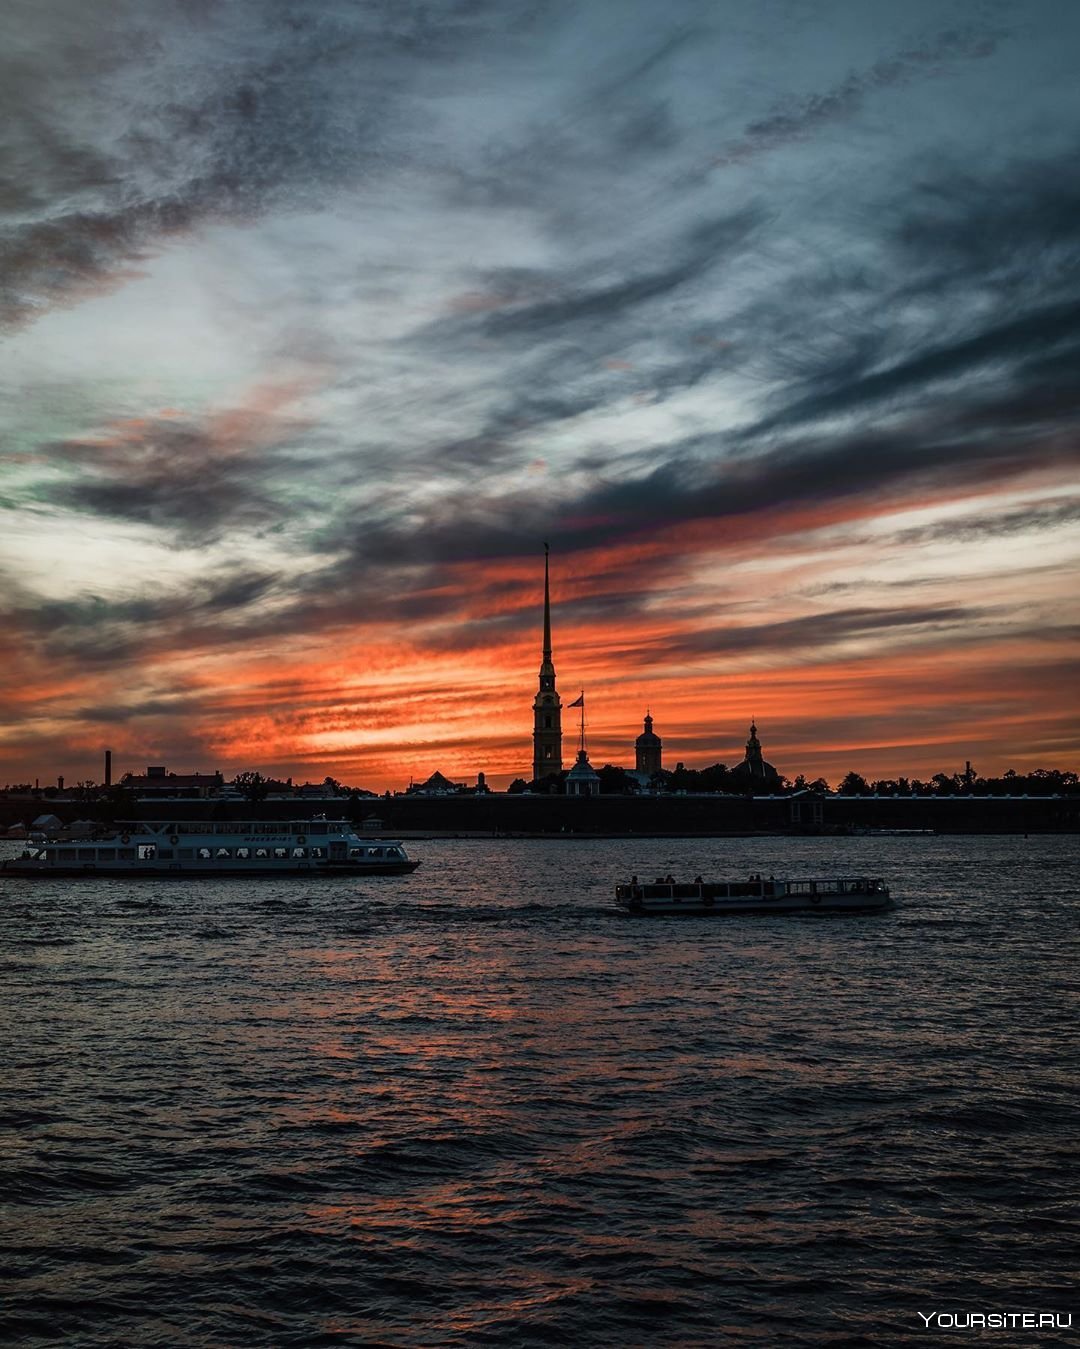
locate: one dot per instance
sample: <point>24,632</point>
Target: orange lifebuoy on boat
<point>301,838</point>
<point>125,838</point>
<point>174,839</point>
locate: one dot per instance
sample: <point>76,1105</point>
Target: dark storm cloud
<point>175,476</point>
<point>318,96</point>
<point>119,714</point>
<point>875,630</point>
<point>155,118</point>
<point>700,483</point>
<point>822,630</point>
<point>991,261</point>
<point>1040,330</point>
<point>583,300</point>
<point>93,630</point>
<point>794,120</point>
<point>233,607</point>
<point>994,367</point>
<point>912,583</point>
<point>1040,516</point>
<point>1018,220</point>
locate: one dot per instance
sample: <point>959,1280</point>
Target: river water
<point>477,1106</point>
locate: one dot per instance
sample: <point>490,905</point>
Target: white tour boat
<point>317,847</point>
<point>758,894</point>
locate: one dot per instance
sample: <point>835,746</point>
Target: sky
<point>317,320</point>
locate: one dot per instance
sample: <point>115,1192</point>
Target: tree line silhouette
<point>718,778</point>
<point>616,781</point>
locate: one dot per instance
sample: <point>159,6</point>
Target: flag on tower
<point>578,702</point>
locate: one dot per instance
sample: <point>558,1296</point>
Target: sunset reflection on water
<point>453,1110</point>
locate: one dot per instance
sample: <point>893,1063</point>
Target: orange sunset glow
<point>707,633</point>
<point>539,666</point>
<point>293,405</point>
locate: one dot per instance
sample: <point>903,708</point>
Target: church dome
<point>754,771</point>
<point>583,779</point>
<point>648,738</point>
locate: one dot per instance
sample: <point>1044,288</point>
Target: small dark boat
<point>758,894</point>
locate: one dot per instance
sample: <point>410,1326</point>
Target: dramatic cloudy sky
<point>319,318</point>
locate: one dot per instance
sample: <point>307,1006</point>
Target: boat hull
<point>756,896</point>
<point>213,850</point>
<point>702,909</point>
<point>181,871</point>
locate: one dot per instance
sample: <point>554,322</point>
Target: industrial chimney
<point>108,768</point>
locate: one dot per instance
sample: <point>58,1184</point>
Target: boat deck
<point>757,894</point>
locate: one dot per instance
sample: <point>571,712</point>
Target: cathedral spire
<point>547,708</point>
<point>547,610</point>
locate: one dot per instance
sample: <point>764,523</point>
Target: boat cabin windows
<point>222,852</point>
<point>299,852</point>
<point>374,852</point>
<point>106,854</point>
<point>125,854</point>
<point>318,852</point>
<point>356,852</point>
<point>203,854</point>
<point>147,852</point>
<point>165,854</point>
<point>262,852</point>
<point>281,852</point>
<point>243,854</point>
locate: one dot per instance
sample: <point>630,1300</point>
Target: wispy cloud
<point>794,120</point>
<point>159,118</point>
<point>321,321</point>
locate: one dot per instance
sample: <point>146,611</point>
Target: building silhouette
<point>157,782</point>
<point>754,774</point>
<point>547,709</point>
<point>647,751</point>
<point>583,779</point>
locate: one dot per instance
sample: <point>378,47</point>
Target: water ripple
<point>479,1107</point>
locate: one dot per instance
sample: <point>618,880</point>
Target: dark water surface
<point>478,1106</point>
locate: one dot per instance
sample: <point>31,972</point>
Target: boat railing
<point>767,887</point>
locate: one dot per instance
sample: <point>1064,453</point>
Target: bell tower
<point>753,753</point>
<point>547,709</point>
<point>647,750</point>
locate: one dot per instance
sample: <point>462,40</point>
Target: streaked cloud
<point>319,322</point>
